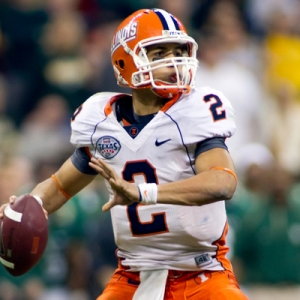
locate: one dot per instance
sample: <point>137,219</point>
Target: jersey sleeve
<point>210,115</point>
<point>85,120</point>
<point>81,159</point>
<point>208,144</point>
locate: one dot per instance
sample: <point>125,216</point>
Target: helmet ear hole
<point>121,64</point>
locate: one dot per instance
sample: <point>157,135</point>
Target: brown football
<point>23,235</point>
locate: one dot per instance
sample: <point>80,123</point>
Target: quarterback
<point>161,150</point>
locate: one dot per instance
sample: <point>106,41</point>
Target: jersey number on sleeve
<point>77,112</point>
<point>215,107</point>
<point>157,224</point>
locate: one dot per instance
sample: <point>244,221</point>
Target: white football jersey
<point>161,236</point>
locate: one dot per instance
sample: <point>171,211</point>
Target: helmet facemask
<point>184,67</point>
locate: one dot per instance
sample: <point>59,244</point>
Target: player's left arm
<point>215,180</point>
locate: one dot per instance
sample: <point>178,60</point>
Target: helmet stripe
<point>175,23</point>
<point>167,20</point>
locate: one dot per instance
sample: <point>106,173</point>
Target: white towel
<point>152,286</point>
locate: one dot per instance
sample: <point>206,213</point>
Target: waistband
<point>172,274</point>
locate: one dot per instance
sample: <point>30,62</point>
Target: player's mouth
<point>173,78</point>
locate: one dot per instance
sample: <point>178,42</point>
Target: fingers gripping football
<point>2,207</point>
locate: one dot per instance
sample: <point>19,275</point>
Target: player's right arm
<point>75,173</point>
<point>67,182</point>
<point>56,191</point>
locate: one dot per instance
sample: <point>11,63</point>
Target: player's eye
<point>158,55</point>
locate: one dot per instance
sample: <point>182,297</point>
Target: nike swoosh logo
<point>157,143</point>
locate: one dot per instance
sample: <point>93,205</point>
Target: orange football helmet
<point>148,27</point>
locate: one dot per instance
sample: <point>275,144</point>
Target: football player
<point>162,152</point>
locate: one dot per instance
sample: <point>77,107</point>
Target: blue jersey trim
<point>80,160</point>
<point>187,152</point>
<point>208,144</point>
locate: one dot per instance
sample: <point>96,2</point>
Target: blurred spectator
<point>33,289</point>
<point>204,8</point>
<point>91,11</point>
<point>8,131</point>
<point>253,161</point>
<point>21,25</point>
<point>260,12</point>
<point>9,291</point>
<point>96,51</point>
<point>65,71</point>
<point>254,154</point>
<point>226,19</point>
<point>16,177</point>
<point>282,45</point>
<point>125,8</point>
<point>281,127</point>
<point>3,46</point>
<point>267,244</point>
<point>45,132</point>
<point>58,7</point>
<point>267,292</point>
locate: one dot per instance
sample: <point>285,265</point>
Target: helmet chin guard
<point>169,92</point>
<point>132,67</point>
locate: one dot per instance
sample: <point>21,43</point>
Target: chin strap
<point>120,77</point>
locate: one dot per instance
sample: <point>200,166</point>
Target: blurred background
<point>54,54</point>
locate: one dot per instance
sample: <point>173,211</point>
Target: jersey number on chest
<point>158,223</point>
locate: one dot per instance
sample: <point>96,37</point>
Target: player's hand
<point>125,193</point>
<point>3,206</point>
<point>11,201</point>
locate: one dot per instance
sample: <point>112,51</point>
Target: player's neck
<point>145,102</point>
